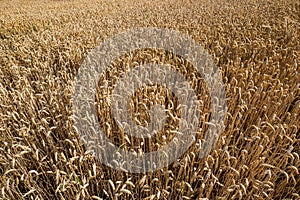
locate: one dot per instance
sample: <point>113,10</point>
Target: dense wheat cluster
<point>255,44</point>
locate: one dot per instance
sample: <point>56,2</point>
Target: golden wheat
<point>254,43</point>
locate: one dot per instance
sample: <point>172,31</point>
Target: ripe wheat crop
<point>255,44</point>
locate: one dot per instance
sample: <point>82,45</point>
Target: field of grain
<point>255,44</point>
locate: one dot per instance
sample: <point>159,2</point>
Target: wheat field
<point>255,44</point>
